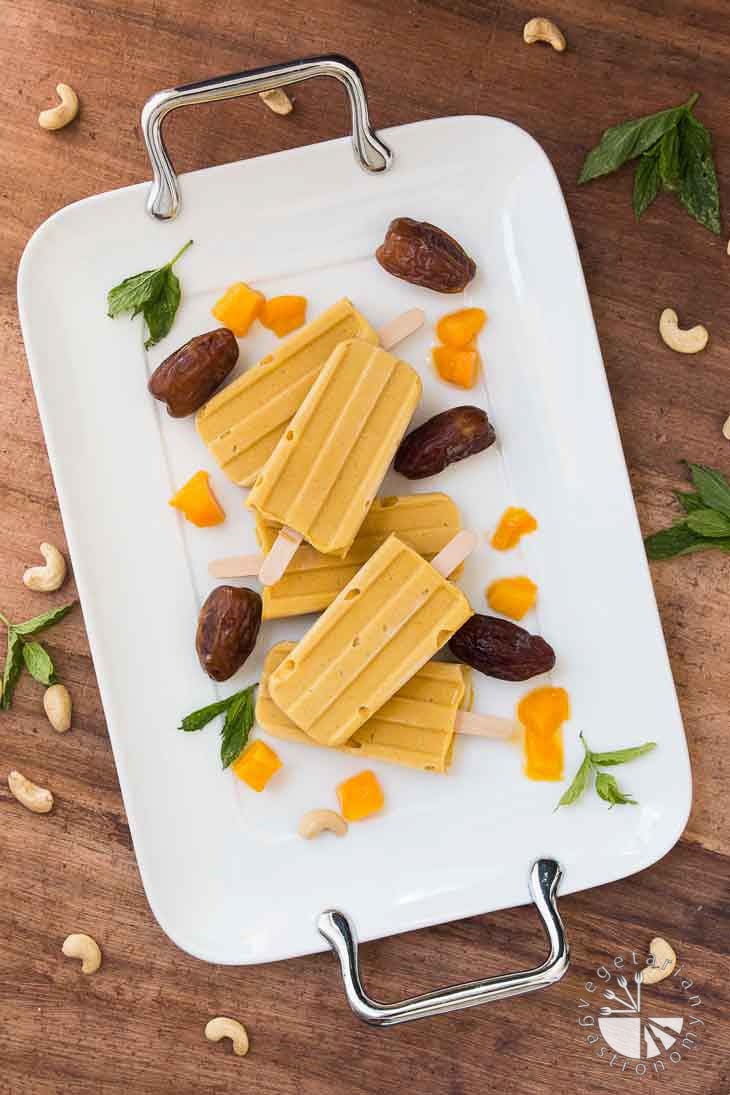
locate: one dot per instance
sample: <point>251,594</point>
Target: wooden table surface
<point>137,1026</point>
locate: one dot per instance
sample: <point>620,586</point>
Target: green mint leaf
<point>237,727</point>
<point>622,756</point>
<point>196,720</point>
<point>698,190</point>
<point>624,142</point>
<point>688,502</point>
<point>13,667</point>
<point>38,663</point>
<point>677,540</point>
<point>609,790</point>
<point>709,523</point>
<point>712,486</point>
<point>133,293</point>
<point>46,619</point>
<point>646,184</point>
<point>159,313</point>
<point>668,160</point>
<point>581,780</point>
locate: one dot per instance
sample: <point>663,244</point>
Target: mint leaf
<point>698,190</point>
<point>196,720</point>
<point>236,728</point>
<point>688,502</point>
<point>609,790</point>
<point>155,293</point>
<point>668,161</point>
<point>159,313</point>
<point>677,540</point>
<point>46,619</point>
<point>38,663</point>
<point>581,780</point>
<point>712,486</point>
<point>13,667</point>
<point>646,184</point>
<point>708,523</point>
<point>622,756</point>
<point>626,141</point>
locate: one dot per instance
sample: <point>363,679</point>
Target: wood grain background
<point>137,1025</point>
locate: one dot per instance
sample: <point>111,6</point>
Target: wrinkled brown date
<point>187,378</point>
<point>447,437</point>
<point>228,626</point>
<point>499,648</point>
<point>425,255</point>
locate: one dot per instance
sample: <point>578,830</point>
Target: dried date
<point>442,440</point>
<point>228,627</point>
<point>425,255</point>
<point>499,648</point>
<point>187,378</point>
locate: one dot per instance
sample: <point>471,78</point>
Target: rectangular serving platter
<point>226,874</point>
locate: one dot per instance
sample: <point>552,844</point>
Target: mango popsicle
<point>324,473</point>
<point>427,522</point>
<point>414,728</point>
<point>387,622</point>
<point>242,423</point>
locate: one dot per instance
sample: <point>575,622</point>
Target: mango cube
<point>238,308</point>
<point>360,796</point>
<point>256,765</point>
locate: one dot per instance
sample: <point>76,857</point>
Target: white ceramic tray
<point>226,875</point>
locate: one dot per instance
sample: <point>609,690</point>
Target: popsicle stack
<point>314,427</point>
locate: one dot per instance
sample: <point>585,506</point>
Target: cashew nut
<point>223,1027</point>
<point>726,428</point>
<point>544,30</point>
<point>35,798</point>
<point>48,578</point>
<point>84,947</point>
<point>57,705</point>
<point>663,965</point>
<point>56,117</point>
<point>320,821</point>
<point>689,341</point>
<point>277,100</point>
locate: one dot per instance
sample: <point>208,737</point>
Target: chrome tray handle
<point>545,877</point>
<point>164,197</point>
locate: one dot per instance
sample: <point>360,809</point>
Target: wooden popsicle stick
<point>236,566</point>
<point>401,327</point>
<point>485,726</point>
<point>455,552</point>
<point>281,554</point>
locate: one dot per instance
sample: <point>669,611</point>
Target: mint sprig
<point>706,521</point>
<point>239,718</point>
<point>22,651</point>
<point>674,151</point>
<point>154,293</point>
<point>605,784</point>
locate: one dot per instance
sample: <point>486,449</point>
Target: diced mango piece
<point>459,367</point>
<point>459,328</point>
<point>282,315</point>
<point>198,503</point>
<point>513,597</point>
<point>542,712</point>
<point>238,308</point>
<point>256,765</point>
<point>360,796</point>
<point>513,525</point>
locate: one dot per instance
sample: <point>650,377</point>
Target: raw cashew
<point>223,1027</point>
<point>277,100</point>
<point>726,428</point>
<point>48,578</point>
<point>689,341</point>
<point>35,798</point>
<point>320,821</point>
<point>543,30</point>
<point>56,117</point>
<point>663,965</point>
<point>84,947</point>
<point>57,705</point>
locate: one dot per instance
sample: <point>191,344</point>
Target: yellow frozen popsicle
<point>242,423</point>
<point>387,622</point>
<point>415,727</point>
<point>324,473</point>
<point>427,522</point>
